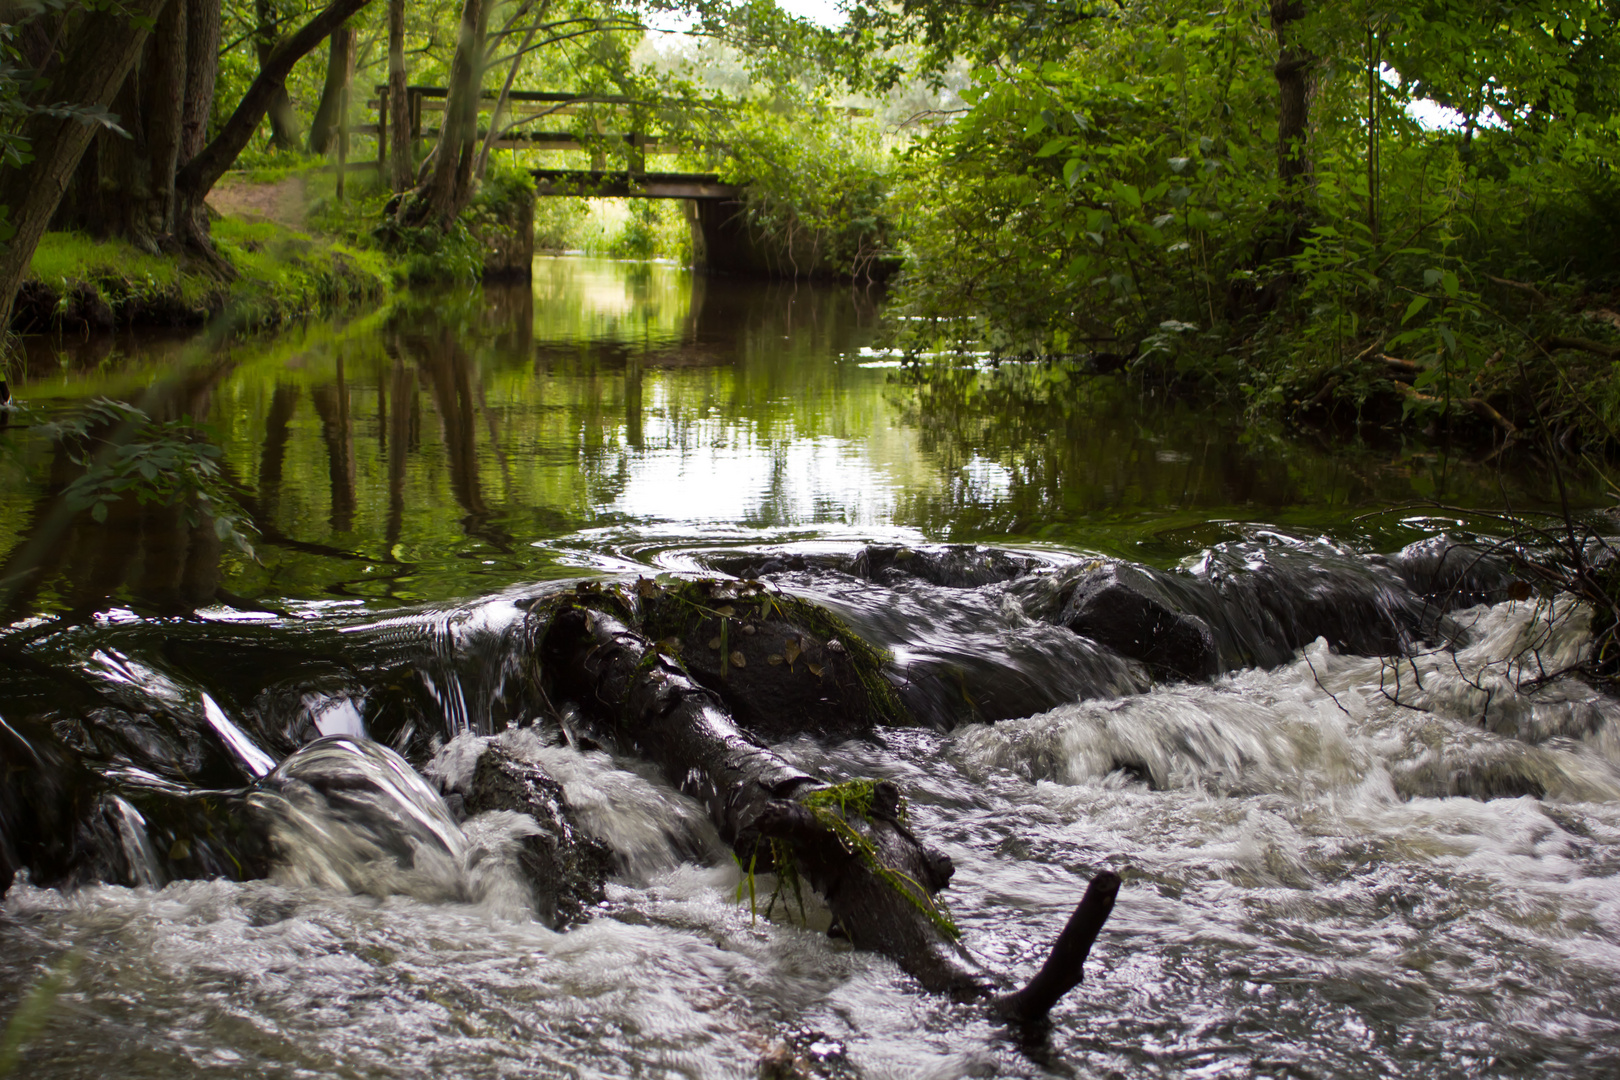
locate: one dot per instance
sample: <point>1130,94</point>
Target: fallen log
<point>850,842</point>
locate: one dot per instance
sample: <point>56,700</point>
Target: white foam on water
<point>649,826</point>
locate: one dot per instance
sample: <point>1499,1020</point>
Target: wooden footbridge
<point>525,119</point>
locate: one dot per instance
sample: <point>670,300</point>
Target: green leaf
<point>1448,282</point>
<point>1052,146</point>
<point>1418,304</point>
<point>1431,277</point>
<point>98,511</point>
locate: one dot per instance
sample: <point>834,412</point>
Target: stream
<point>1334,864</point>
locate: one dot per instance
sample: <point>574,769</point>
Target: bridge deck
<point>622,184</point>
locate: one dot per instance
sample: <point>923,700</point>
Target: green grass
<point>72,256</point>
<point>282,274</point>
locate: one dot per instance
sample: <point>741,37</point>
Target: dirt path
<point>283,202</point>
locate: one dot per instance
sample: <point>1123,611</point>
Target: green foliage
<point>650,229</point>
<point>34,1010</point>
<point>817,191</point>
<point>429,254</point>
<point>1113,191</point>
<point>559,224</point>
<point>123,451</point>
<point>1090,203</point>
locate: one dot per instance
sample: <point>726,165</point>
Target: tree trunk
<point>283,121</point>
<point>850,843</point>
<point>202,172</point>
<point>202,66</point>
<point>1295,76</point>
<point>116,205</point>
<point>324,125</point>
<point>95,63</point>
<point>438,201</point>
<point>163,106</point>
<point>401,169</point>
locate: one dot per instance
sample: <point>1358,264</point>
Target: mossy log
<point>784,666</point>
<point>850,841</point>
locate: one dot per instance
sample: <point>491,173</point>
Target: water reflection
<point>465,441</point>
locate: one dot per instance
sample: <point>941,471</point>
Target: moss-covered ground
<point>281,274</point>
<point>295,250</point>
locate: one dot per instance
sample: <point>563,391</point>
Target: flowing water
<point>1336,865</point>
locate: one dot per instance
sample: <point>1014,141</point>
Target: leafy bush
<point>817,195</point>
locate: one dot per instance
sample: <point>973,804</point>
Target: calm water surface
<point>1303,895</point>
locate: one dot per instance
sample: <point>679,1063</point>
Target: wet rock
<point>1121,607</point>
<point>1273,598</point>
<point>753,565</point>
<point>566,868</point>
<point>1453,574</point>
<point>1004,673</point>
<point>955,566</point>
<point>804,1054</point>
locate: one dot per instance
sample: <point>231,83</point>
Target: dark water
<point>1305,895</point>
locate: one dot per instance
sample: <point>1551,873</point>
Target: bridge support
<point>723,244</point>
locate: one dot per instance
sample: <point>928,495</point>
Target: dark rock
<point>1274,598</point>
<point>1119,606</point>
<point>566,868</point>
<point>955,566</point>
<point>1453,574</point>
<point>1005,673</point>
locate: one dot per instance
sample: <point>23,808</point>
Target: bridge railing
<point>527,107</point>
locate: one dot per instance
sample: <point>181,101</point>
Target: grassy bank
<point>296,250</point>
<point>77,283</point>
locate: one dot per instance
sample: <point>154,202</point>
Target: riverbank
<point>296,252</point>
<point>79,284</point>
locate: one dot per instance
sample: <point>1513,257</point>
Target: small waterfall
<point>649,826</point>
<point>140,858</point>
<point>353,816</point>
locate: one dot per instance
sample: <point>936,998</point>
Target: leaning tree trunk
<point>266,37</point>
<point>94,65</point>
<point>438,201</point>
<point>402,170</point>
<point>849,842</point>
<point>202,172</point>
